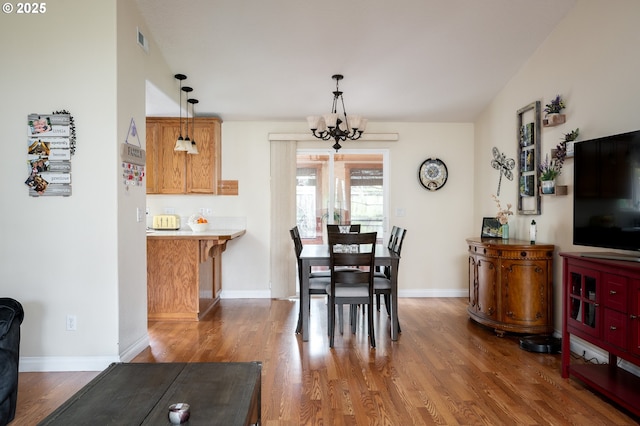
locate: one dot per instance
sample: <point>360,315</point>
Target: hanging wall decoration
<point>133,158</point>
<point>51,141</point>
<point>528,126</point>
<point>503,164</point>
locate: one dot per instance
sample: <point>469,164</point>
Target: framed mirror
<point>528,125</point>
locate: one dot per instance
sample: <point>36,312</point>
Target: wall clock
<point>433,174</point>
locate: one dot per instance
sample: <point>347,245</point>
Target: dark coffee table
<point>226,393</point>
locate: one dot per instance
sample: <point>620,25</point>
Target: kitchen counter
<point>184,272</point>
<point>220,234</point>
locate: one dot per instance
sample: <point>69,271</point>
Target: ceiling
<point>402,60</point>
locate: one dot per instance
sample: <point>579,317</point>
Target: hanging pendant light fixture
<point>186,143</point>
<point>192,148</point>
<point>335,126</point>
<point>180,141</point>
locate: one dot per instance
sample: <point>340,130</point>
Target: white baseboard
<point>132,351</point>
<point>266,294</point>
<point>578,347</point>
<point>75,363</point>
<point>247,294</point>
<point>434,293</point>
<point>61,363</point>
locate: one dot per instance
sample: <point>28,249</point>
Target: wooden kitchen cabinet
<point>176,172</point>
<point>511,285</point>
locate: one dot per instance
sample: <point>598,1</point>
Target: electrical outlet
<point>72,323</point>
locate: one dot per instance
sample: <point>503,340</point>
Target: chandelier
<point>338,127</point>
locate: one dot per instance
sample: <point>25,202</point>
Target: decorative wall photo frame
<point>491,228</point>
<point>529,127</point>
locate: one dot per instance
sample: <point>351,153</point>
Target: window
<point>348,187</point>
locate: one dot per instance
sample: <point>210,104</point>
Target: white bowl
<point>199,227</point>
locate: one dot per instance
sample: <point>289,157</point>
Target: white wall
<point>83,255</point>
<point>592,60</point>
<point>58,255</point>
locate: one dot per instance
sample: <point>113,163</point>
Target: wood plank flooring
<point>444,369</point>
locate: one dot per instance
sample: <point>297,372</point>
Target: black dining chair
<point>317,283</point>
<point>382,284</point>
<point>351,287</point>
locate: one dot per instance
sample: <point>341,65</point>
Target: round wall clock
<point>433,174</point>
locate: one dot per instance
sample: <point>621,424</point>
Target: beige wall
<point>433,261</point>
<point>592,60</point>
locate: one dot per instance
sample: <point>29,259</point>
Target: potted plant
<point>550,169</point>
<point>569,139</point>
<point>553,111</point>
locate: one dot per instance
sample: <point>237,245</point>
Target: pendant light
<point>180,141</point>
<point>192,148</point>
<point>186,143</point>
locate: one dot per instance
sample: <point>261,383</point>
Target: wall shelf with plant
<point>553,112</point>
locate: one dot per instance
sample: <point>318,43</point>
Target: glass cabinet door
<point>584,299</point>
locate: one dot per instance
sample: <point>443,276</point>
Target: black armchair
<point>11,316</point>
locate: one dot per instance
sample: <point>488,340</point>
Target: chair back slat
<point>334,229</point>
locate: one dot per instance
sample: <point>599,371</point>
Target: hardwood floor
<point>444,369</point>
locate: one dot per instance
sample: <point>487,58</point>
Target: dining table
<point>318,255</point>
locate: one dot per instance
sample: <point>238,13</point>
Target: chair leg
<point>372,333</point>
<point>299,325</point>
<point>387,303</point>
<point>378,301</point>
<point>353,314</point>
<point>341,319</point>
<point>331,320</point>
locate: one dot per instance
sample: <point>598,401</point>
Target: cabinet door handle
<point>633,316</point>
<point>613,328</point>
<point>612,292</point>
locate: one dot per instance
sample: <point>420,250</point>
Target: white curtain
<point>283,218</point>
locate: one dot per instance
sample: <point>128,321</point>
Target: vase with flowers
<point>553,111</point>
<point>503,217</point>
<point>550,169</point>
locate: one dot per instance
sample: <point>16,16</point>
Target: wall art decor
<point>51,141</point>
<point>133,158</point>
<point>503,164</point>
<point>528,125</point>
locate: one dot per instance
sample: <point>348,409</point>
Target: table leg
<point>394,298</point>
<point>304,299</point>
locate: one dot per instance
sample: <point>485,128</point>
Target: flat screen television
<point>606,202</point>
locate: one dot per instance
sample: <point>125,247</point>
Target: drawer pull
<point>612,292</point>
<point>613,328</point>
<point>523,253</point>
<point>633,316</point>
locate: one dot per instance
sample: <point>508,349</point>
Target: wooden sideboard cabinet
<point>511,285</point>
<point>176,172</point>
<point>601,305</point>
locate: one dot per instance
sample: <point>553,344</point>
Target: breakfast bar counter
<point>184,272</point>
